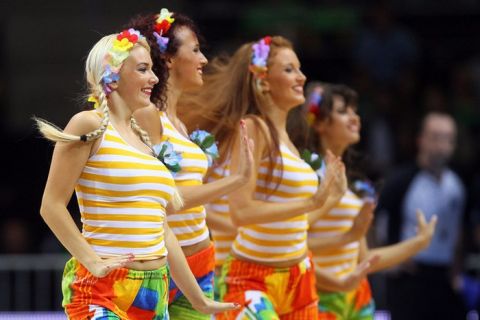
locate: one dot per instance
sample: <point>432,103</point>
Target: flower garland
<point>162,25</point>
<point>365,189</point>
<point>260,52</point>
<point>168,156</point>
<point>313,105</point>
<point>207,143</point>
<point>312,158</point>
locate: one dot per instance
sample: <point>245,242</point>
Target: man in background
<point>422,287</point>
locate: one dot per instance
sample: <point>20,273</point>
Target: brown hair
<point>230,93</point>
<point>145,24</point>
<point>305,137</point>
<point>349,96</point>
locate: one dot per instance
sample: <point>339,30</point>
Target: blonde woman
<point>119,266</point>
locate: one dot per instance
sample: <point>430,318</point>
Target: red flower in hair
<point>163,27</point>
<point>130,36</point>
<point>314,109</point>
<point>267,40</point>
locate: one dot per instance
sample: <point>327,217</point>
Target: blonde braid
<point>95,134</point>
<point>177,200</point>
<point>54,133</point>
<point>142,133</point>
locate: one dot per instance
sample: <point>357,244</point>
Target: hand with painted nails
<point>333,181</point>
<point>362,221</point>
<point>101,268</point>
<point>209,306</point>
<point>246,162</point>
<point>425,230</point>
<point>352,281</point>
<point>339,185</point>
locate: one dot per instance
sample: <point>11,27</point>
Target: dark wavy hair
<point>145,24</point>
<point>305,137</point>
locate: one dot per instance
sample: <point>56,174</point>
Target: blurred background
<point>427,58</point>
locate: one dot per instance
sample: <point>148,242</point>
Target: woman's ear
<point>320,126</point>
<point>169,62</point>
<point>113,85</point>
<point>264,85</point>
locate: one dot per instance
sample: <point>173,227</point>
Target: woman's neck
<point>119,112</point>
<point>278,118</point>
<point>337,149</point>
<point>173,95</point>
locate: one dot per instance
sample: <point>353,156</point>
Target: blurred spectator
<point>422,287</point>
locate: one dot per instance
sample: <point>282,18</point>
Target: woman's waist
<point>287,263</point>
<point>276,253</point>
<point>147,265</point>
<point>192,249</point>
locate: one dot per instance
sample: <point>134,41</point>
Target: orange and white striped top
<point>189,226</point>
<point>122,194</point>
<point>282,240</point>
<point>343,260</point>
<point>222,240</point>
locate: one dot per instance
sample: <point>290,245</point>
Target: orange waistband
<point>202,262</point>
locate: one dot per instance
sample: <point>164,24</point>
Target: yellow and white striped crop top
<point>122,194</point>
<point>222,240</point>
<point>282,240</point>
<point>189,226</point>
<point>343,260</point>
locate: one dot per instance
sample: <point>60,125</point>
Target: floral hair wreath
<point>162,25</point>
<point>260,52</point>
<point>313,105</point>
<point>119,51</point>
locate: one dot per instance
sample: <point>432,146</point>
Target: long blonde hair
<point>94,70</point>
<point>231,92</point>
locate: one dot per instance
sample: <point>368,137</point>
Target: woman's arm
<point>68,161</point>
<point>149,119</point>
<point>395,254</point>
<point>336,191</point>
<point>208,192</point>
<point>246,210</point>
<point>217,222</point>
<point>359,229</point>
<point>185,280</point>
<point>326,281</point>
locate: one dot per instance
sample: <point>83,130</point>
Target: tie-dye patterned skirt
<point>268,293</point>
<point>353,305</point>
<point>122,294</point>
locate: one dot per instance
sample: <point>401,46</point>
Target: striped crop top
<point>222,240</point>
<point>189,226</point>
<point>340,261</point>
<point>122,194</point>
<point>282,240</point>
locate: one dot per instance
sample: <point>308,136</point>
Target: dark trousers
<point>425,294</point>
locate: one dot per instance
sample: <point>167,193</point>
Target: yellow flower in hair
<point>310,118</point>
<point>122,45</point>
<point>94,100</point>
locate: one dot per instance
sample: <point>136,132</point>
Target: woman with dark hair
<point>177,57</point>
<point>336,240</point>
